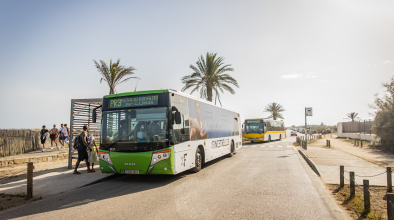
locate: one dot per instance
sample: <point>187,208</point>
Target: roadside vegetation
<point>384,119</point>
<point>355,205</point>
<point>210,77</point>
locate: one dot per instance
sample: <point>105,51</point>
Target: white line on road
<point>271,146</point>
<point>280,146</point>
<point>288,146</point>
<point>262,146</point>
<point>254,146</point>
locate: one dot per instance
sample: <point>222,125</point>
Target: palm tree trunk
<point>209,93</point>
<point>111,90</point>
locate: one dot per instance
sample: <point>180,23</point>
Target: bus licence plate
<point>131,171</point>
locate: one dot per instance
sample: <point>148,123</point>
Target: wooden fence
<point>18,141</point>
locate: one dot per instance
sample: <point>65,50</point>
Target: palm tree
<point>209,76</point>
<point>275,109</point>
<point>352,115</point>
<point>114,74</point>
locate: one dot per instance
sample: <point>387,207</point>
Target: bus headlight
<point>160,155</point>
<point>105,157</point>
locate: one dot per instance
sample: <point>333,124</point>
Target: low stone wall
<point>364,137</point>
<point>10,162</point>
<point>18,141</point>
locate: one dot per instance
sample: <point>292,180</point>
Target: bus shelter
<point>81,114</point>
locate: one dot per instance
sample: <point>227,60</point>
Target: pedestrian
<point>61,138</point>
<point>43,137</point>
<point>66,133</point>
<point>94,153</point>
<point>53,135</point>
<point>82,150</point>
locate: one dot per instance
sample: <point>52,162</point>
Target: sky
<point>330,55</point>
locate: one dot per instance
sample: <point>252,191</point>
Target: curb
<point>311,164</point>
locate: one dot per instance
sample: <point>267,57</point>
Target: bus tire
<point>232,149</point>
<point>252,141</point>
<point>198,160</point>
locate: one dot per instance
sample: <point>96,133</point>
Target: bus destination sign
<point>136,101</point>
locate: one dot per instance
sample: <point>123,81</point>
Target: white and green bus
<point>164,132</point>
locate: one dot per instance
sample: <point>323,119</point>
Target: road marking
<point>271,146</point>
<point>288,146</point>
<point>254,146</point>
<point>280,146</point>
<point>262,146</point>
<point>245,146</point>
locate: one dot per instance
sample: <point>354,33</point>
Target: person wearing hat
<point>44,134</point>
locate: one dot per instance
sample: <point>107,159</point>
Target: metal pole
<point>71,136</point>
<point>306,133</point>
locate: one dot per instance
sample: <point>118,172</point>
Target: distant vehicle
<point>293,133</point>
<point>260,129</point>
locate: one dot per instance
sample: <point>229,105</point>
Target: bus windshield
<point>134,129</point>
<point>254,126</point>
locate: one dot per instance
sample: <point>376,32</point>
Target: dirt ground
<point>355,205</point>
<point>11,174</point>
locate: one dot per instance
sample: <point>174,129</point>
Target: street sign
<point>308,111</point>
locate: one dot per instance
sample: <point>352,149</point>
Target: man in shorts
<point>82,151</point>
<point>53,135</point>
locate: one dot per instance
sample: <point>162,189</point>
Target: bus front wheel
<point>198,161</point>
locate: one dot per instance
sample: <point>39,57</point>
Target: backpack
<point>77,142</point>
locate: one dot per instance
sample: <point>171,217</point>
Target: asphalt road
<point>262,181</point>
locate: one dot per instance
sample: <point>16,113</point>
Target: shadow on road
<point>107,188</point>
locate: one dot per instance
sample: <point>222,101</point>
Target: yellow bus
<point>260,129</point>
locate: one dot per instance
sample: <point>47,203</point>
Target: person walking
<point>66,134</point>
<point>53,135</point>
<point>94,152</point>
<point>82,150</point>
<point>43,137</point>
<point>61,138</point>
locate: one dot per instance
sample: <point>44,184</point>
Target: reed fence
<point>18,141</point>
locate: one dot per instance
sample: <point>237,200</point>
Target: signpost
<point>308,112</point>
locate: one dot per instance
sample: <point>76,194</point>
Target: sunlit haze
<point>330,55</point>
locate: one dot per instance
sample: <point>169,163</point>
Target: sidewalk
<point>365,162</point>
<point>50,175</point>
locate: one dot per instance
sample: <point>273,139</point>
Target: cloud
<point>299,75</point>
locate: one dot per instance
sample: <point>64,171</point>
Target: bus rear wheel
<point>198,161</point>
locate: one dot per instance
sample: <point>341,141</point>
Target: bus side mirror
<point>178,119</point>
<point>94,116</point>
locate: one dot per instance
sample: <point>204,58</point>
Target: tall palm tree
<point>275,109</point>
<point>209,76</point>
<point>352,115</point>
<point>114,74</point>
